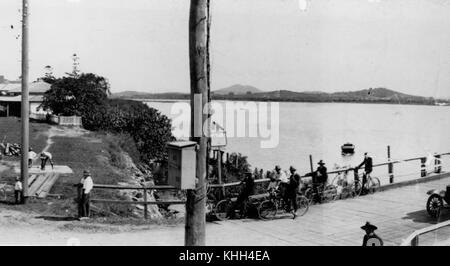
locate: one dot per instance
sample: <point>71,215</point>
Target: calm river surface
<point>320,129</point>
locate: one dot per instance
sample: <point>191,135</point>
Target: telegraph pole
<point>25,103</point>
<point>199,73</point>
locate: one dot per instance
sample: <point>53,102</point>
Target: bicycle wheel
<point>223,209</point>
<point>302,204</point>
<point>309,194</point>
<point>357,188</point>
<point>329,193</point>
<point>267,209</point>
<point>373,185</point>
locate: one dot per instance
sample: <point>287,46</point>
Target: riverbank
<point>78,149</point>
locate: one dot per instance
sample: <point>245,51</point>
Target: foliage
<point>80,95</point>
<point>86,95</point>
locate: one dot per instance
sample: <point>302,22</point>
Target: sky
<point>333,45</point>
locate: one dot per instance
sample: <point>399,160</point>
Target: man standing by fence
<point>86,186</point>
<point>18,191</point>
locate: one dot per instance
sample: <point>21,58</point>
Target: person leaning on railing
<point>248,190</point>
<point>368,167</point>
<point>320,178</point>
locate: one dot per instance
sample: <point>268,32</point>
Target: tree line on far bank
<point>86,95</point>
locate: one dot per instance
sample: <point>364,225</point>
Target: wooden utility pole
<point>390,166</point>
<point>199,70</point>
<point>25,103</point>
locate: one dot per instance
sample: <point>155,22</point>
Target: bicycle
<point>371,185</point>
<point>225,209</point>
<point>268,209</point>
<point>325,192</point>
<point>345,188</point>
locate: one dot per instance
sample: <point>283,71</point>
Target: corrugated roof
<point>35,87</point>
<point>8,86</point>
<point>31,98</point>
<point>10,98</point>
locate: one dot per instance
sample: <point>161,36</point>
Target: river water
<point>319,129</point>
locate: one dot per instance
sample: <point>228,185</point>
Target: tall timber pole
<point>25,102</point>
<point>199,74</point>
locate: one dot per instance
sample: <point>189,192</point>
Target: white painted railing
<point>70,121</point>
<point>413,239</point>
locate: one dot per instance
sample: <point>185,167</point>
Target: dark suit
<point>319,180</point>
<point>291,192</point>
<point>368,167</point>
<point>248,190</point>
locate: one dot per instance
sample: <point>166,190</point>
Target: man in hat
<point>319,180</point>
<point>18,191</point>
<point>370,238</point>
<point>282,179</point>
<point>86,184</point>
<point>368,165</point>
<point>247,191</point>
<point>46,156</point>
<point>292,191</point>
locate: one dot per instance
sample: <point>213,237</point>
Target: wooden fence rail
<point>392,162</point>
<point>422,160</point>
<point>145,202</point>
<point>413,239</point>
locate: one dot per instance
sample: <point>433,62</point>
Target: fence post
<point>390,166</point>
<point>437,164</point>
<point>423,170</point>
<point>145,204</point>
<point>79,186</point>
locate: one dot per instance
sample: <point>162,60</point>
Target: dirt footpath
<point>18,228</point>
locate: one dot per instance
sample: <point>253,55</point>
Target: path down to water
<point>397,212</point>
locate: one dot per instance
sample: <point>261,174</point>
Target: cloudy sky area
<point>336,45</point>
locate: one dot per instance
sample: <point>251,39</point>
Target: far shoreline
<point>165,100</point>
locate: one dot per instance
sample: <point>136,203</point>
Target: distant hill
<point>237,89</point>
<point>248,93</point>
<point>146,95</point>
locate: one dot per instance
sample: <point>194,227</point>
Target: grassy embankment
<point>98,152</point>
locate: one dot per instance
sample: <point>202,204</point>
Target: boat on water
<point>347,149</point>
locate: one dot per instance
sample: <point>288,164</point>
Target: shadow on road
<point>57,218</point>
<point>423,217</point>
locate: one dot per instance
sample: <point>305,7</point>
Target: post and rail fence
<point>145,201</point>
<point>390,165</point>
<point>437,169</point>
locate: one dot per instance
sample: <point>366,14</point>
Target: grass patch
<point>10,127</point>
<point>91,151</point>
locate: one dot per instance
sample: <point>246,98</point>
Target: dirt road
<point>397,213</point>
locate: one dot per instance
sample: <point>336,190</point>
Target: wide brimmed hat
<point>247,173</point>
<point>368,226</point>
<point>321,163</point>
<point>292,168</point>
<point>277,167</point>
<point>86,172</point>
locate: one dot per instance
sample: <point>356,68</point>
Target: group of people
<point>45,157</point>
<point>288,187</point>
<point>18,187</point>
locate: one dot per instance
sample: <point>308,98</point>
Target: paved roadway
<point>397,213</point>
